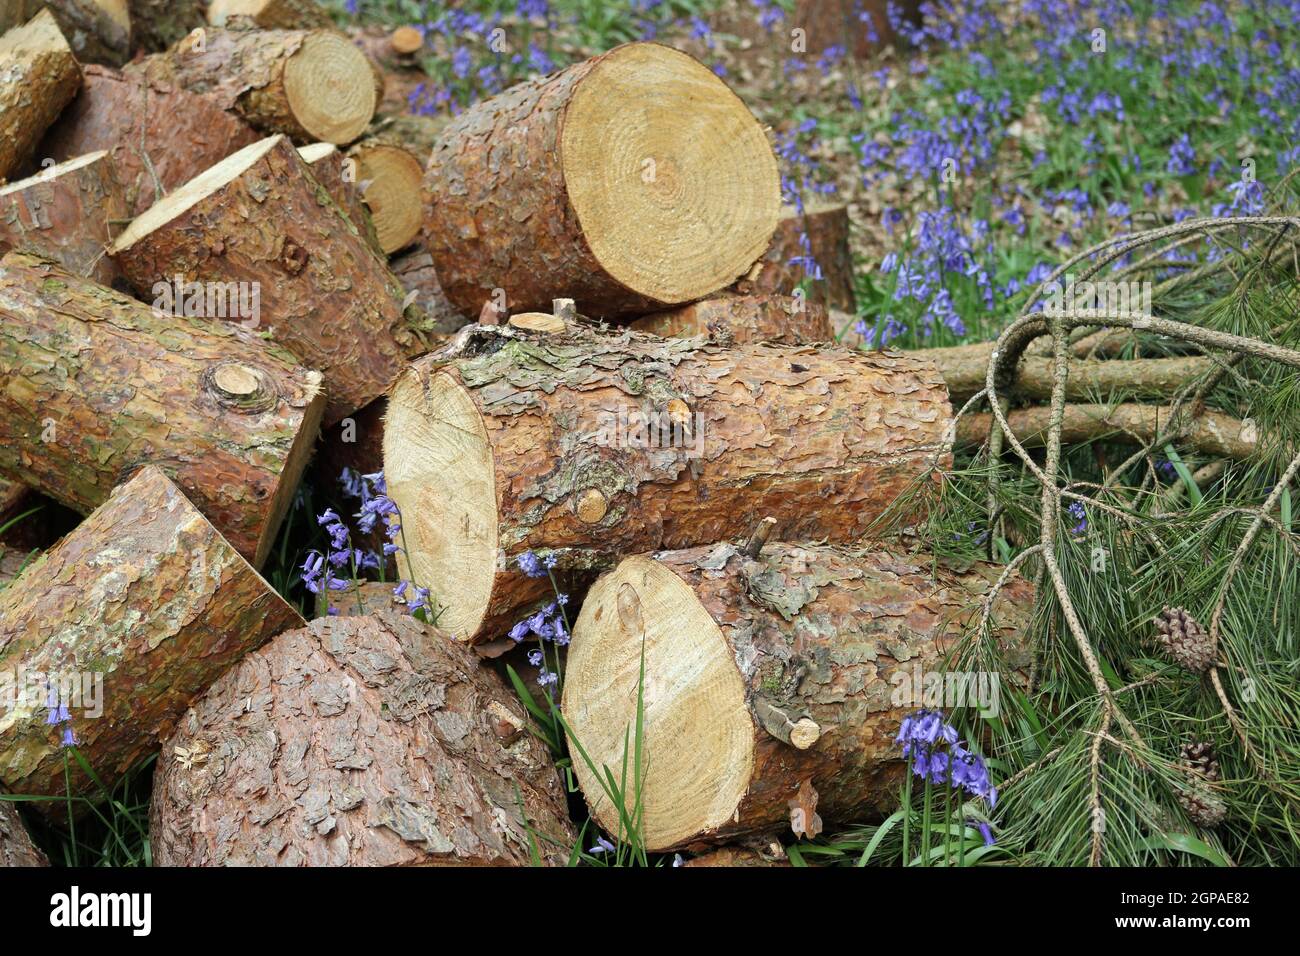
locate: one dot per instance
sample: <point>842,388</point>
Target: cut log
<point>763,674</point>
<point>129,617</point>
<point>16,847</point>
<point>313,85</point>
<point>784,320</point>
<point>631,182</point>
<point>271,14</point>
<point>358,741</point>
<point>38,76</point>
<point>94,384</point>
<point>338,174</point>
<point>259,218</point>
<point>784,265</point>
<point>98,31</point>
<point>405,81</point>
<point>68,213</point>
<point>160,137</point>
<point>389,176</point>
<point>599,445</point>
<point>157,24</point>
<point>414,270</point>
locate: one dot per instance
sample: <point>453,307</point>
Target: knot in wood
<point>240,386</point>
<point>293,258</point>
<point>591,506</point>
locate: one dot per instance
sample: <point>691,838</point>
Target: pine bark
<point>822,439</point>
<point>96,384</point>
<point>360,741</point>
<point>146,594</point>
<point>500,214</point>
<point>783,266</point>
<point>244,71</point>
<point>804,660</point>
<point>98,31</point>
<point>338,174</point>
<point>325,294</point>
<point>69,214</point>
<point>16,847</point>
<point>38,76</point>
<point>737,319</point>
<point>160,136</point>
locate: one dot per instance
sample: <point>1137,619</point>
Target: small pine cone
<point>1183,639</point>
<point>1203,806</point>
<point>1198,757</point>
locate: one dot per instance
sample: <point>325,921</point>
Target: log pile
<point>221,259</point>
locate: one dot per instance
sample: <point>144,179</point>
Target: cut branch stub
<point>259,222</point>
<point>632,181</point>
<point>761,675</point>
<point>131,616</point>
<point>358,741</point>
<point>40,75</point>
<point>493,445</point>
<point>95,384</point>
<point>68,213</point>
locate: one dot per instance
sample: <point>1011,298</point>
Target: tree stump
<point>160,136</point>
<point>38,76</point>
<point>94,384</point>
<point>761,674</point>
<point>630,182</point>
<point>313,85</point>
<point>597,445</point>
<point>784,265</point>
<point>16,847</point>
<point>68,213</point>
<point>358,741</point>
<point>134,613</point>
<point>260,219</point>
<point>784,320</point>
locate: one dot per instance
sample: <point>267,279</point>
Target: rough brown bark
<point>38,76</point>
<point>827,229</point>
<point>739,319</point>
<point>157,24</point>
<point>414,270</point>
<point>551,448</point>
<point>68,213</point>
<point>526,196</point>
<point>16,847</point>
<point>98,31</point>
<point>964,369</point>
<point>361,741</point>
<point>1209,433</point>
<point>145,596</point>
<point>94,384</point>
<point>339,175</point>
<point>271,14</point>
<point>763,674</point>
<point>253,73</point>
<point>160,137</point>
<point>325,294</point>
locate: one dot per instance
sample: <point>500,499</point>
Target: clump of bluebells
<point>323,572</point>
<point>939,757</point>
<point>549,626</point>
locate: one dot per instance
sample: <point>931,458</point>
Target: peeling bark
<point>151,130</point>
<point>94,384</point>
<point>739,651</point>
<point>827,229</point>
<point>68,213</point>
<point>729,319</point>
<point>363,741</point>
<point>38,76</point>
<point>552,453</point>
<point>325,294</point>
<point>149,596</point>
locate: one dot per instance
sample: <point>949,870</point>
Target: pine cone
<point>1198,757</point>
<point>1203,806</point>
<point>1183,639</point>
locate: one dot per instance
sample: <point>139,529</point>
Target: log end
<point>330,88</point>
<point>390,178</point>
